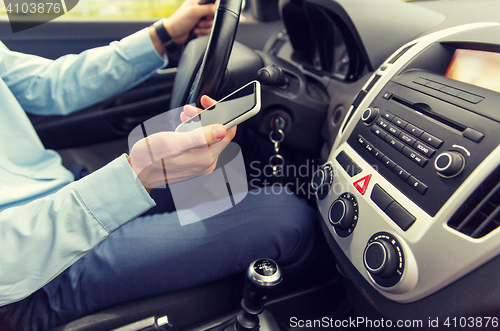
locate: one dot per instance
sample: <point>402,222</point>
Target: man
<point>55,265</point>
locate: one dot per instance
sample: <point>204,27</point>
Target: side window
<point>114,9</point>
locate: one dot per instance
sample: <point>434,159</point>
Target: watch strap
<point>165,38</point>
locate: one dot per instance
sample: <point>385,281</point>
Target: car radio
<point>408,191</point>
<point>423,145</point>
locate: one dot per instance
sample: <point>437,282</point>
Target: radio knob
<point>449,164</point>
<point>369,115</point>
<point>380,258</point>
<point>342,213</point>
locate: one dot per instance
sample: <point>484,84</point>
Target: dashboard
<point>416,151</point>
<point>408,192</point>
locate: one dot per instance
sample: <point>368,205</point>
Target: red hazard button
<point>362,184</point>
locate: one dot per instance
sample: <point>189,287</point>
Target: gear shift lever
<point>262,277</point>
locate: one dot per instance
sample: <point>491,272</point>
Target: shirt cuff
<point>141,52</point>
<point>114,194</point>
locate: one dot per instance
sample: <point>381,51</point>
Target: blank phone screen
<point>225,111</point>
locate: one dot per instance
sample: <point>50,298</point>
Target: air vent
<point>397,56</point>
<point>373,82</point>
<point>359,98</point>
<point>401,53</point>
<point>480,214</point>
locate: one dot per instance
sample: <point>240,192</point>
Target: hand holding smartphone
<point>232,110</point>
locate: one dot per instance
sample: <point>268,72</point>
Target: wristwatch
<point>165,38</point>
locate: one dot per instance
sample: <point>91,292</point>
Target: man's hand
<point>168,157</point>
<point>189,16</point>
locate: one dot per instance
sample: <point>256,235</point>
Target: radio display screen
<point>478,68</point>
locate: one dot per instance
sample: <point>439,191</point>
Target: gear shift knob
<point>264,273</point>
<point>262,277</point>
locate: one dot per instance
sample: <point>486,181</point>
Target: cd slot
<point>426,110</point>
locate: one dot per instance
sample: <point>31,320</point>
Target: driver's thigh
<point>154,254</point>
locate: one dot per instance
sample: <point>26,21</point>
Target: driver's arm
<point>73,82</point>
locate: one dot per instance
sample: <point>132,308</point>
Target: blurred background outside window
<point>119,9</point>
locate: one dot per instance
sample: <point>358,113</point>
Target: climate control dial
<point>380,258</point>
<point>322,181</point>
<point>343,214</point>
<point>383,259</point>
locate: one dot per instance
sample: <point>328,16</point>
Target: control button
<point>378,154</point>
<point>362,184</point>
<point>400,216</point>
<point>378,132</point>
<point>382,123</point>
<point>388,116</point>
<point>343,214</point>
<point>414,130</point>
<point>399,122</point>
<point>417,185</point>
<point>434,85</point>
<point>380,197</point>
<point>431,140</point>
<point>348,164</point>
<point>369,147</point>
<point>369,115</point>
<point>361,140</point>
<point>388,162</point>
<point>403,174</point>
<point>470,97</point>
<point>449,164</point>
<point>387,95</point>
<point>380,258</point>
<point>451,91</point>
<point>407,139</point>
<point>394,142</point>
<point>393,130</point>
<point>473,135</point>
<point>426,150</point>
<point>415,157</point>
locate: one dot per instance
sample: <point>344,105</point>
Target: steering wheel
<point>191,83</point>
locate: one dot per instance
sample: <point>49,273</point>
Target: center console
<point>409,192</point>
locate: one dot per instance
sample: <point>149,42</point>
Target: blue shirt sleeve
<point>48,222</point>
<point>41,239</point>
<point>73,82</point>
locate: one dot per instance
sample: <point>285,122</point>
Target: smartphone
<point>229,111</point>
